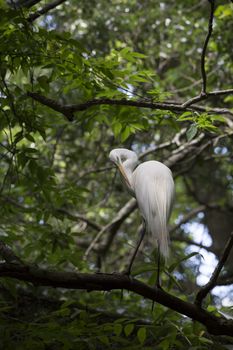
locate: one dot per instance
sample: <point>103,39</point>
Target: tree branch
<point>66,110</point>
<point>202,293</point>
<point>112,227</point>
<point>74,217</point>
<point>187,217</point>
<point>202,97</point>
<point>27,3</point>
<point>106,282</point>
<point>210,29</point>
<point>203,94</point>
<point>77,217</point>
<point>69,110</point>
<point>44,10</point>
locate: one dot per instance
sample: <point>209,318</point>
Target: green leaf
<point>44,82</point>
<point>117,128</point>
<point>22,159</point>
<point>173,279</point>
<point>141,335</point>
<point>30,138</point>
<point>138,54</point>
<point>191,132</point>
<point>125,133</point>
<point>128,329</point>
<point>205,340</point>
<point>18,136</point>
<point>164,344</point>
<point>104,339</point>
<point>227,312</point>
<point>185,116</point>
<point>174,265</point>
<point>117,328</point>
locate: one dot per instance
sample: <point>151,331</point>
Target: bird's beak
<point>123,174</point>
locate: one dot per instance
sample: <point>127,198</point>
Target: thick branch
<point>106,282</point>
<point>27,3</point>
<point>69,110</point>
<point>202,293</point>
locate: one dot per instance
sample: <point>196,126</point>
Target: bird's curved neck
<point>129,166</point>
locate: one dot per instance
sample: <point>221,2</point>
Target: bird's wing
<point>154,190</point>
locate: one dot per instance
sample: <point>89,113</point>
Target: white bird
<point>152,185</point>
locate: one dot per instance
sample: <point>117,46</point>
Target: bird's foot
<point>158,286</point>
<point>126,272</point>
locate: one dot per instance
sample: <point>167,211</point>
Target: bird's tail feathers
<point>158,218</point>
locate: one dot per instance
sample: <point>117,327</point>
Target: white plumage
<point>153,187</point>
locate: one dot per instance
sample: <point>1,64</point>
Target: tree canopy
<point>78,79</point>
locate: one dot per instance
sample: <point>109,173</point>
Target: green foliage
<point>57,188</point>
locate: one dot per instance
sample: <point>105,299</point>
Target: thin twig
<point>203,55</point>
<point>77,217</point>
<point>202,293</point>
<point>94,171</point>
<point>202,97</point>
<point>187,217</point>
<point>74,217</point>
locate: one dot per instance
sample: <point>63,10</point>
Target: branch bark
<point>69,110</point>
<point>44,10</point>
<point>204,96</point>
<point>106,282</point>
<point>27,3</point>
<point>203,55</point>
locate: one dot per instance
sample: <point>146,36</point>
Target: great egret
<point>152,185</point>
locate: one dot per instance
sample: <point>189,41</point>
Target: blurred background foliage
<point>58,188</point>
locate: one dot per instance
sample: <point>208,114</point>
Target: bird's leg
<point>158,285</point>
<point>142,234</point>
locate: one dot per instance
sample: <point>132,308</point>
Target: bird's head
<point>122,157</point>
